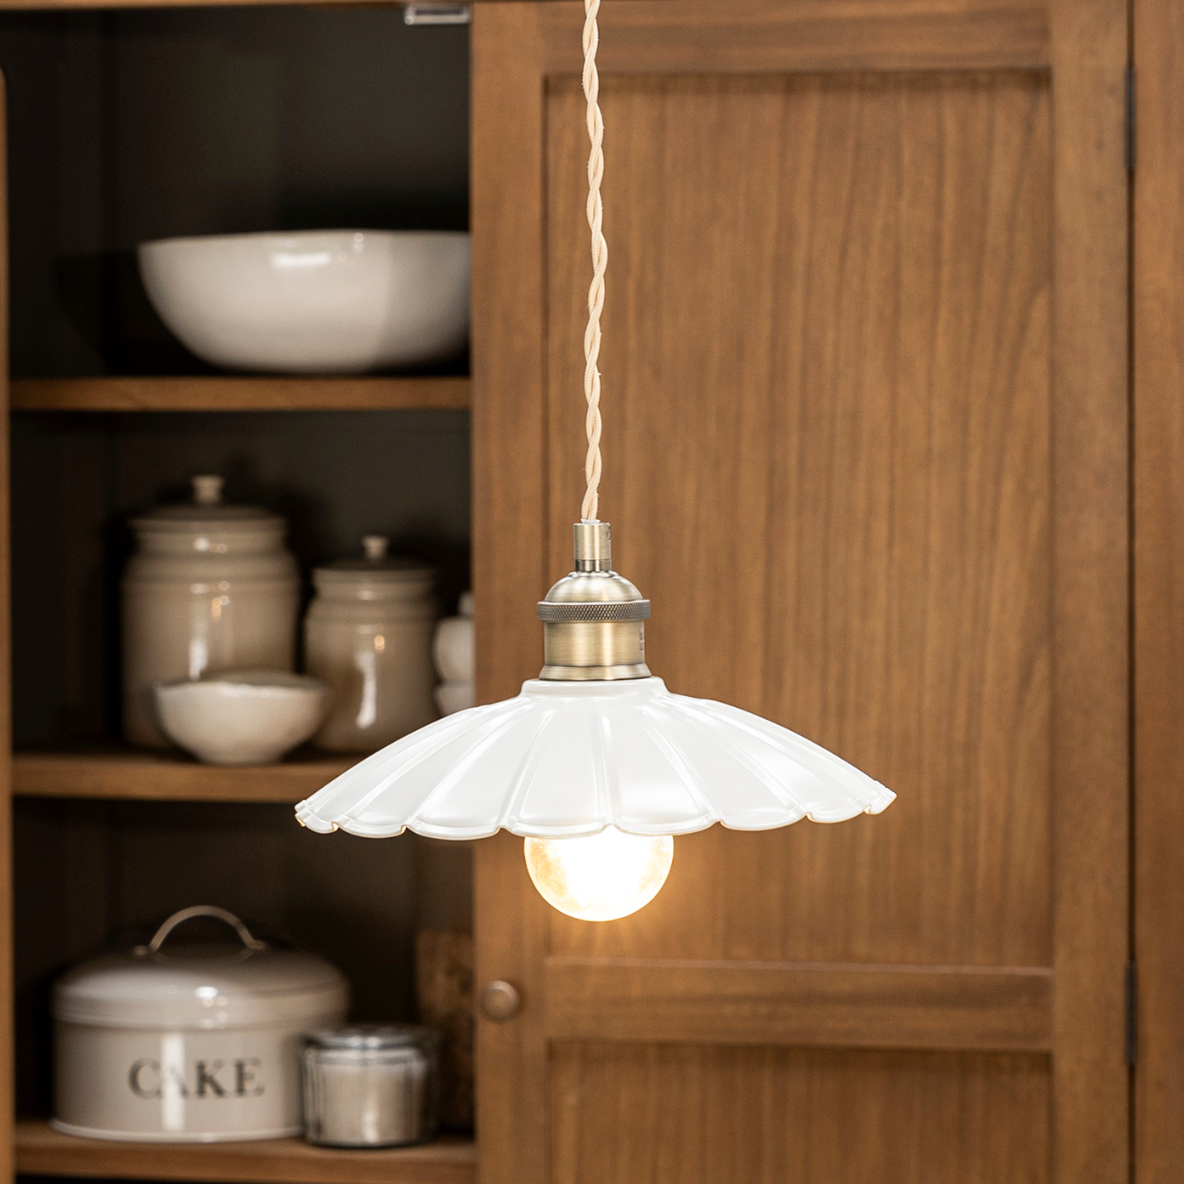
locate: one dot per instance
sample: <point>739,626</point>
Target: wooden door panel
<point>703,37</point>
<point>858,457</point>
<point>781,1116</point>
<point>808,1005</point>
<point>765,897</point>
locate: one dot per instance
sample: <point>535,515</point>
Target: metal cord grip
<point>593,543</point>
<point>593,619</point>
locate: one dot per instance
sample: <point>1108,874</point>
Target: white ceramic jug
<point>211,587</point>
<point>368,634</point>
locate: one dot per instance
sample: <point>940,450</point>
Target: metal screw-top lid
<point>594,619</point>
<point>364,1038</point>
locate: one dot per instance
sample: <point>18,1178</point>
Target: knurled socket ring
<point>595,611</point>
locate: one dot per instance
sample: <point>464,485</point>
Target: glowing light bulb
<point>601,877</point>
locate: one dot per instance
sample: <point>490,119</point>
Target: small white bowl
<point>317,302</point>
<point>242,717</point>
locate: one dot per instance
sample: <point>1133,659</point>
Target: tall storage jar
<point>189,1044</point>
<point>211,587</point>
<point>368,634</point>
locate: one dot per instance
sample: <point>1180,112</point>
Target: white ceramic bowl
<point>317,302</point>
<point>242,717</point>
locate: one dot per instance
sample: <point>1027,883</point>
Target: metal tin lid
<point>365,1038</point>
<point>226,985</point>
<point>376,566</point>
<point>207,513</point>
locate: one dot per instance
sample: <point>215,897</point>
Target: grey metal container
<point>189,1044</point>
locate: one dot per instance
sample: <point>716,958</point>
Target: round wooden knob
<point>500,1001</point>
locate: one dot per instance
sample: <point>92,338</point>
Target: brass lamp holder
<point>593,619</point>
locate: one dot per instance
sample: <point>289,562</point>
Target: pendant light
<point>595,764</point>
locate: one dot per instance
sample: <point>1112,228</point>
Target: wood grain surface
<point>775,36</point>
<point>700,1115</point>
<point>41,1151</point>
<point>827,379</point>
<point>509,572</point>
<point>238,393</point>
<point>809,1005</point>
<point>145,776</point>
<point>1091,773</point>
<point>1159,589</point>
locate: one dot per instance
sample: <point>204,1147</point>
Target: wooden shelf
<point>41,1151</point>
<point>140,776</point>
<point>235,393</point>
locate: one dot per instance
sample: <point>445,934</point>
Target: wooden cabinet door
<point>865,375</point>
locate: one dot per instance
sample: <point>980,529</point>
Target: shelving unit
<point>236,393</point>
<point>41,1151</point>
<point>139,776</point>
<point>191,122</point>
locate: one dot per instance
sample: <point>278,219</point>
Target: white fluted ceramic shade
<point>566,759</point>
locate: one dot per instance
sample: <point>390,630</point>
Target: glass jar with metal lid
<point>370,1085</point>
<point>368,634</point>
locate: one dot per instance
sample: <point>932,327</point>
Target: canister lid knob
<point>374,546</point>
<point>207,490</point>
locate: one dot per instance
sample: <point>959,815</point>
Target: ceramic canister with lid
<point>189,1044</point>
<point>368,634</point>
<point>211,587</point>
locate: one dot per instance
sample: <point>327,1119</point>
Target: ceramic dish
<point>316,302</point>
<point>242,717</point>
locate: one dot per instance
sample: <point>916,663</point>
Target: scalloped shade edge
<point>567,759</point>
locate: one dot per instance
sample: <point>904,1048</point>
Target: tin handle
<point>205,910</point>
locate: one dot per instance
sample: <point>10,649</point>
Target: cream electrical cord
<point>596,766</point>
<point>592,465</point>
